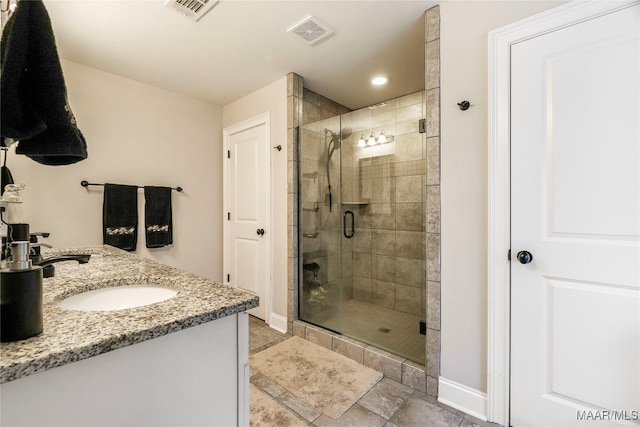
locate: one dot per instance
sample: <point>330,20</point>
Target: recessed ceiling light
<point>379,80</point>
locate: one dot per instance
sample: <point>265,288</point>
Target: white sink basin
<point>118,298</point>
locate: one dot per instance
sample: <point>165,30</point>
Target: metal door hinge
<point>509,255</point>
<point>228,154</point>
<point>228,278</point>
<point>423,327</point>
<point>422,126</point>
<point>228,216</point>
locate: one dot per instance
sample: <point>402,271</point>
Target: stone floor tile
<point>299,329</point>
<point>261,336</point>
<point>298,406</point>
<point>418,412</point>
<point>417,409</point>
<point>356,416</point>
<point>469,421</point>
<point>385,398</point>
<point>414,376</point>
<point>434,401</point>
<point>389,364</point>
<point>348,347</point>
<point>254,350</point>
<point>264,411</point>
<point>267,385</point>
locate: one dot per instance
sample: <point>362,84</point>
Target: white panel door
<point>248,213</point>
<point>575,191</point>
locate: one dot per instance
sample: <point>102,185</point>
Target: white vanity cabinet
<point>198,376</point>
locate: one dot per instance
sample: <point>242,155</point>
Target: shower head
<point>333,145</point>
<point>337,139</point>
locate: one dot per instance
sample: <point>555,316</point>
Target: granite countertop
<point>71,335</point>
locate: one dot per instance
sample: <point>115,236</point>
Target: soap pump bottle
<point>20,296</point>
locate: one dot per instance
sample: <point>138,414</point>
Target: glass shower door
<point>321,282</point>
<point>363,223</point>
<point>384,184</point>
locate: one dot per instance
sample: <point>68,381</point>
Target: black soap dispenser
<point>20,296</point>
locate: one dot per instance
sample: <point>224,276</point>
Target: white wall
<point>141,135</point>
<point>463,42</point>
<point>273,99</point>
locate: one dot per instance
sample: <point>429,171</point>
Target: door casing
<point>499,188</point>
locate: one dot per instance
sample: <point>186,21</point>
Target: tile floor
<point>388,403</point>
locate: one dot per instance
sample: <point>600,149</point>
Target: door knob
<point>524,257</point>
<point>260,231</point>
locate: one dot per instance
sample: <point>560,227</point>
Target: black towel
<point>5,173</point>
<point>34,105</point>
<point>120,216</point>
<point>158,223</point>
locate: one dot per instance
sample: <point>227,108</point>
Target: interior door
<point>248,184</point>
<point>575,190</point>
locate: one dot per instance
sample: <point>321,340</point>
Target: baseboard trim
<point>277,322</point>
<point>463,398</point>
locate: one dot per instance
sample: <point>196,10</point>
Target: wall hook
<point>464,105</point>
<point>278,147</point>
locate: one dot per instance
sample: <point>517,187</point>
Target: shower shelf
<point>357,203</point>
<point>315,208</point>
<point>312,235</point>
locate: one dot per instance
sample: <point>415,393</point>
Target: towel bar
<point>85,183</point>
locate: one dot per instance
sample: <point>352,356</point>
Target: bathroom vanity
<point>182,361</point>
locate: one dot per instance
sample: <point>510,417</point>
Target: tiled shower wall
<point>389,241</point>
<point>432,87</point>
<point>306,107</point>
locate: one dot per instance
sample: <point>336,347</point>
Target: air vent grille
<point>310,30</point>
<point>378,105</point>
<point>192,9</point>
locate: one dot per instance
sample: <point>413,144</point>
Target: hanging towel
<point>5,173</point>
<point>157,216</point>
<point>34,105</point>
<point>120,216</point>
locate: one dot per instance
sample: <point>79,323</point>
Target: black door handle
<point>260,231</point>
<point>344,224</point>
<point>524,257</point>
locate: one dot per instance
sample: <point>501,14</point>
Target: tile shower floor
<point>388,403</point>
<point>385,328</point>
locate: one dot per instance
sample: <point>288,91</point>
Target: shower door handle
<point>344,224</point>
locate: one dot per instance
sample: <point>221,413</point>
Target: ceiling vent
<point>310,30</point>
<point>192,9</point>
<point>378,105</point>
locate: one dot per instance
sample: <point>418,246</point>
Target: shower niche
<point>362,225</point>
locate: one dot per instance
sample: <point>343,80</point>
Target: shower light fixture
<point>361,142</point>
<point>373,141</point>
<point>382,138</point>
